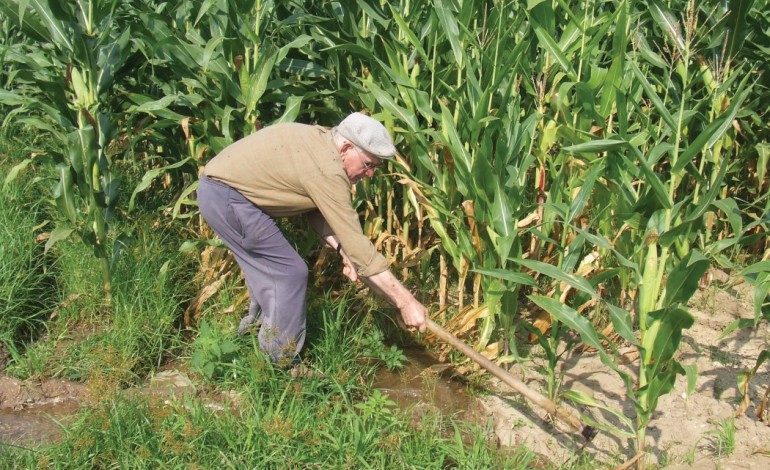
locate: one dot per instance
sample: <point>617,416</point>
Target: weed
<point>723,437</point>
<point>723,357</point>
<point>372,346</point>
<point>27,285</point>
<point>689,457</point>
<point>213,351</point>
<point>429,380</point>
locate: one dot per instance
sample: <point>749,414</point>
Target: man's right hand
<point>414,315</point>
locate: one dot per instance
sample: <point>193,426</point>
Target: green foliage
<point>372,346</point>
<point>567,154</point>
<point>212,350</point>
<point>744,383</point>
<point>132,432</point>
<point>333,422</point>
<point>83,344</point>
<point>68,91</point>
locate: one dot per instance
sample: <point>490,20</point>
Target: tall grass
<point>27,278</point>
<point>150,287</point>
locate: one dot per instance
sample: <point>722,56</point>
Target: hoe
<point>567,416</point>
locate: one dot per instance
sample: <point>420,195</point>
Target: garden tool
<point>567,416</point>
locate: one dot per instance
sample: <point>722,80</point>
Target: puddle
<point>36,425</point>
<point>424,380</point>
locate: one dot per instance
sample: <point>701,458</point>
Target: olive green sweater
<point>290,169</point>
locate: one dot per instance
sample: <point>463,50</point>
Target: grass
<point>26,276</point>
<point>118,345</point>
<point>275,421</point>
<point>723,437</point>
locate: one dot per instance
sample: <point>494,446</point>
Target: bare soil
<point>683,432</point>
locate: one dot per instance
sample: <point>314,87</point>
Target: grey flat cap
<point>367,133</point>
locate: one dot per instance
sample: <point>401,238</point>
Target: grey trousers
<point>275,274</point>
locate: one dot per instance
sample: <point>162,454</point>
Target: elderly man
<point>286,170</point>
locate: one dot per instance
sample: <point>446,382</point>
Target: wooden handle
<point>562,414</point>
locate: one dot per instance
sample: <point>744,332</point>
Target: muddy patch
<point>41,424</point>
<point>36,413</point>
<point>32,414</point>
<point>424,382</point>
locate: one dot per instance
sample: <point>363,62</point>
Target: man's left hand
<point>348,269</point>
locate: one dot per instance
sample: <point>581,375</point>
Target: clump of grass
<point>723,437</point>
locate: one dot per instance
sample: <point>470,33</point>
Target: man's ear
<point>347,145</point>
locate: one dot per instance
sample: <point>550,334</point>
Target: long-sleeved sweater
<point>290,169</point>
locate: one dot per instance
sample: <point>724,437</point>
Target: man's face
<point>358,163</point>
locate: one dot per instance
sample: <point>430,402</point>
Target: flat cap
<point>367,133</point>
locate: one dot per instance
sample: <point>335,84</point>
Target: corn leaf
<point>57,31</point>
<point>581,398</point>
<point>586,189</point>
<point>737,27</point>
<point>711,133</point>
<point>387,102</point>
<point>578,282</point>
<point>664,332</point>
<point>652,179</point>
<point>656,100</point>
<point>450,29</point>
<point>667,22</point>
<point>150,176</point>
<point>596,146</point>
<point>614,78</point>
<point>571,318</point>
<point>58,234</point>
<point>507,275</point>
<point>623,323</point>
<point>548,43</point>
<point>64,193</point>
<point>683,280</point>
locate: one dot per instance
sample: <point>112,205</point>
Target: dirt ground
<point>682,432</point>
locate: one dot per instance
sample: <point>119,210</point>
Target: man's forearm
<point>332,241</point>
<point>390,287</point>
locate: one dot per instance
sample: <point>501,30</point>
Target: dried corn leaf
<point>542,322</point>
<point>196,305</point>
<point>66,303</point>
<point>629,356</point>
<point>528,220</point>
<point>762,407</point>
<point>467,320</point>
<point>743,387</point>
<point>492,351</point>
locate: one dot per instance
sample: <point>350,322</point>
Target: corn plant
<point>426,79</point>
<point>67,74</point>
<point>223,70</point>
<point>661,220</point>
